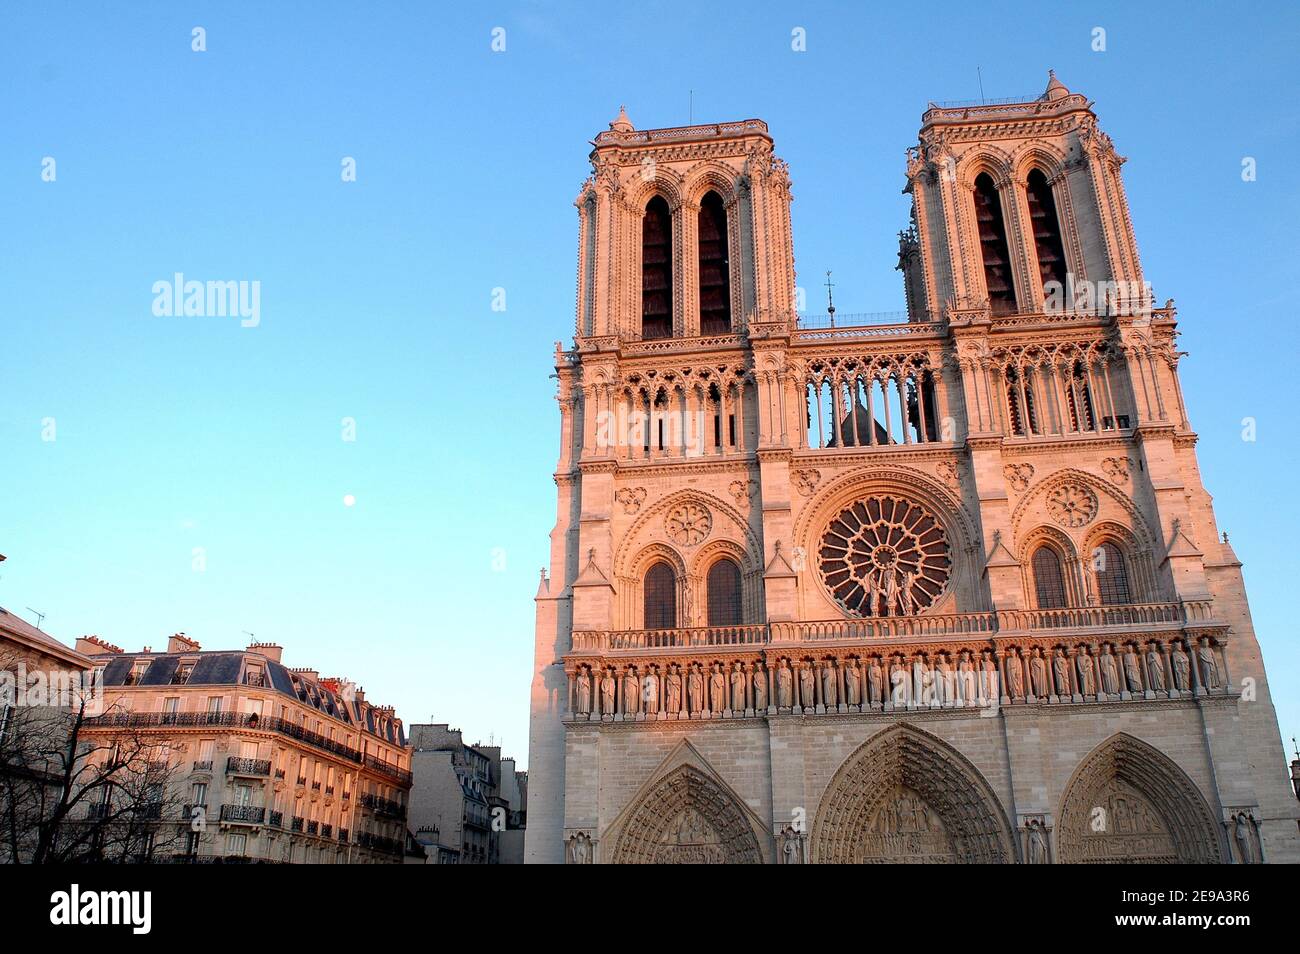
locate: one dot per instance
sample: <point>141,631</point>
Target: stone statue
<point>873,591</point>
<point>1087,674</point>
<point>791,847</point>
<point>650,693</point>
<point>899,682</point>
<point>852,682</point>
<point>607,693</point>
<point>920,678</point>
<point>1156,670</point>
<point>1038,674</point>
<point>674,692</point>
<point>876,681</point>
<point>580,849</point>
<point>695,689</point>
<point>631,692</point>
<point>1182,667</point>
<point>1241,832</point>
<point>784,686</point>
<point>738,694</point>
<point>1209,665</point>
<point>1037,843</point>
<point>807,687</point>
<point>830,691</point>
<point>1109,671</point>
<point>1132,670</point>
<point>966,678</point>
<point>760,687</point>
<point>584,692</point>
<point>1015,675</point>
<point>910,604</point>
<point>717,688</point>
<point>1061,670</point>
<point>943,678</point>
<point>989,687</point>
<point>891,591</point>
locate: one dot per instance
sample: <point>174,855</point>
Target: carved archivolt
<point>1129,803</point>
<point>906,796</point>
<point>687,816</point>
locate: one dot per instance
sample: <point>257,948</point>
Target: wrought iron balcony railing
<point>384,806</point>
<point>237,766</point>
<point>243,813</point>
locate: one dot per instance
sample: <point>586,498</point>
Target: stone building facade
<point>271,764</point>
<point>837,590</point>
<point>468,804</point>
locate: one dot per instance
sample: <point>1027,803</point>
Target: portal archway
<point>687,817</point>
<point>1128,803</point>
<point>908,797</point>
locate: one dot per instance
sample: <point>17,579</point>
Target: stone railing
<point>1117,619</point>
<point>643,639</point>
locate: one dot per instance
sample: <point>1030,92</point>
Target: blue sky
<point>376,295</point>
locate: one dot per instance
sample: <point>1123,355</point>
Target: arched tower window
<point>1112,575</point>
<point>657,270</point>
<point>715,269</point>
<point>1079,397</point>
<point>724,593</point>
<point>660,591</point>
<point>1047,229</point>
<point>993,247</point>
<point>1049,581</point>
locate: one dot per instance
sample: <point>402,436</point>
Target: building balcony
<point>259,768</point>
<point>343,836</point>
<point>243,814</point>
<point>276,820</point>
<point>384,806</point>
<point>204,766</point>
<point>315,786</point>
<point>313,828</point>
<point>296,823</point>
<point>327,831</point>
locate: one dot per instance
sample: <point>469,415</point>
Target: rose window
<point>1072,505</point>
<point>885,556</point>
<point>688,524</point>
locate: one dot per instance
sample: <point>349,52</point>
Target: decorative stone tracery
<point>1072,505</point>
<point>884,556</point>
<point>688,524</point>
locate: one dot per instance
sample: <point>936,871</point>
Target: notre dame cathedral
<point>843,589</point>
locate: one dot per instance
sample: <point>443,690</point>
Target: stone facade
<point>468,804</point>
<point>949,589</point>
<point>267,764</point>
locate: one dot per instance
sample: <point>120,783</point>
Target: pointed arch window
<point>1049,580</point>
<point>660,592</point>
<point>724,593</point>
<point>1112,575</point>
<point>1078,395</point>
<point>657,270</point>
<point>1047,229</point>
<point>1020,402</point>
<point>993,247</point>
<point>715,268</point>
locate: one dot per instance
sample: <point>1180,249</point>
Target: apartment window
<point>236,843</point>
<point>214,705</point>
<point>199,794</point>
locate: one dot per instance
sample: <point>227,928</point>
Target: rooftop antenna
<point>830,302</point>
<point>979,76</point>
<point>40,617</point>
<point>690,108</point>
<point>251,636</point>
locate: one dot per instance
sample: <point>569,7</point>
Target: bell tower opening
<point>715,279</point>
<point>657,270</point>
<point>993,247</point>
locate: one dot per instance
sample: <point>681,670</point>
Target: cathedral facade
<point>946,588</point>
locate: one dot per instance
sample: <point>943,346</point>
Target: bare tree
<point>78,786</point>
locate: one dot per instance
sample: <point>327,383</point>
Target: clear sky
<point>172,433</point>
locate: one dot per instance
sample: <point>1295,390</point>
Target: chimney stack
<point>272,651</point>
<point>94,646</point>
<point>180,643</point>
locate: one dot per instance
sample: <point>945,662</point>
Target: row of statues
<point>894,681</point>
